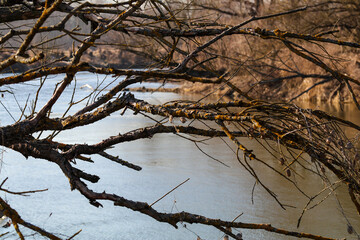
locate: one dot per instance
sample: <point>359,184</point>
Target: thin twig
<point>169,192</point>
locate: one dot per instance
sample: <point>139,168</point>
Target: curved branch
<point>175,218</point>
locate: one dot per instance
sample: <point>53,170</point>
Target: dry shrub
<point>257,65</point>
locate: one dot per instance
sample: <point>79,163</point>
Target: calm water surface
<point>213,190</point>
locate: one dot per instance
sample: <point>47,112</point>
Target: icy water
<point>213,190</point>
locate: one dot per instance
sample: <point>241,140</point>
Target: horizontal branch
<point>298,75</point>
<point>140,105</point>
<point>31,75</point>
<point>142,133</point>
<point>264,33</point>
<point>118,160</point>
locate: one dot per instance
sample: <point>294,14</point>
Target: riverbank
<point>308,86</point>
<point>109,57</point>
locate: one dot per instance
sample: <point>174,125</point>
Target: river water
<point>213,190</point>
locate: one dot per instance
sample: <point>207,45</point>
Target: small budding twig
<point>74,235</point>
<point>169,192</point>
<point>248,153</point>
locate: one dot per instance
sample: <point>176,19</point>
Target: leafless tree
<point>180,41</point>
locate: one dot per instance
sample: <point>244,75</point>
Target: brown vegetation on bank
<point>264,67</point>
